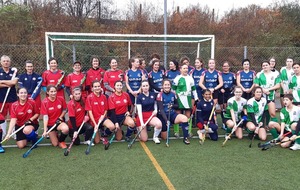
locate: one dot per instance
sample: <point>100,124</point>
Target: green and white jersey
<point>295,86</point>
<point>286,77</point>
<point>184,86</point>
<point>268,81</point>
<point>288,117</point>
<point>236,106</point>
<point>257,107</point>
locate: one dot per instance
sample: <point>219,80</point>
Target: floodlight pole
<point>165,34</point>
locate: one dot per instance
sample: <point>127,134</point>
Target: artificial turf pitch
<point>194,166</point>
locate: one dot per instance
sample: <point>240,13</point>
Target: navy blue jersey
<point>12,96</point>
<point>171,74</point>
<point>147,102</point>
<point>211,79</point>
<point>229,81</point>
<point>29,82</point>
<point>167,99</point>
<point>246,78</point>
<point>203,111</point>
<point>155,80</point>
<point>134,79</point>
<point>196,74</point>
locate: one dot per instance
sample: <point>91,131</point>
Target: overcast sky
<point>220,6</point>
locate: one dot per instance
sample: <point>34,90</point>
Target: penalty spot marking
<point>157,167</point>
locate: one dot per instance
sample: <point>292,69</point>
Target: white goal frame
<point>50,37</point>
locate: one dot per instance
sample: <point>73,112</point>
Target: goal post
<point>129,39</point>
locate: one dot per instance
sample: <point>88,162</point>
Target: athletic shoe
<point>250,136</point>
<point>62,145</point>
<point>210,130</point>
<point>186,141</point>
<point>224,127</point>
<point>88,142</point>
<point>1,149</point>
<point>156,140</point>
<point>128,139</point>
<point>47,137</point>
<point>190,134</point>
<point>296,146</point>
<point>176,135</point>
<point>104,140</point>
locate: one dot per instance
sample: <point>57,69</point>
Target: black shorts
<point>215,94</point>
<point>268,101</point>
<point>296,103</point>
<point>223,97</point>
<point>20,135</point>
<point>247,96</point>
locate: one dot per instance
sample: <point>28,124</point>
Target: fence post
<point>245,52</point>
<point>74,53</point>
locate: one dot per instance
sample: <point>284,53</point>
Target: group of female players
<point>156,98</point>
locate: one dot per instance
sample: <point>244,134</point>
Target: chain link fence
<point>67,53</point>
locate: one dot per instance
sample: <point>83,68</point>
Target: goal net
<point>70,47</point>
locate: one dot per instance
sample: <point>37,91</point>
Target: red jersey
<point>119,103</point>
<point>52,78</point>
<point>98,105</point>
<point>76,110</point>
<point>53,109</point>
<point>92,75</point>
<point>24,112</point>
<point>73,80</point>
<point>111,77</point>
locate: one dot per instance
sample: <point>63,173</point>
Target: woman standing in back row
<point>245,79</point>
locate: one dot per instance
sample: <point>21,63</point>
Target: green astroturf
<point>194,166</point>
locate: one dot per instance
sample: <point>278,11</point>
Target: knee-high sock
<point>190,125</point>
<point>176,128</point>
<point>3,126</point>
<point>129,131</point>
<point>156,132</point>
<point>228,130</point>
<point>107,131</point>
<point>274,133</point>
<point>31,136</point>
<point>184,127</point>
<point>62,137</point>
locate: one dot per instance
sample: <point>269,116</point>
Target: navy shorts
<point>120,119</point>
<point>173,116</point>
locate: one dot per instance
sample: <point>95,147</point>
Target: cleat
<point>105,141</point>
<point>190,135</point>
<point>176,135</point>
<point>127,139</point>
<point>186,141</point>
<point>1,149</point>
<point>88,142</point>
<point>227,137</point>
<point>62,145</point>
<point>296,146</point>
<point>224,127</point>
<point>156,140</point>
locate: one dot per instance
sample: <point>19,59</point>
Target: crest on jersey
<point>139,75</point>
<point>29,111</point>
<point>102,103</point>
<point>152,97</point>
<point>294,113</point>
<point>272,78</point>
<point>172,99</point>
<point>59,106</point>
<point>230,78</point>
<point>210,84</point>
<point>215,76</point>
<point>25,78</point>
<point>204,105</point>
<point>33,78</point>
<point>125,101</point>
<point>143,98</point>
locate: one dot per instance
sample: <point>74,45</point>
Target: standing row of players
<point>183,81</point>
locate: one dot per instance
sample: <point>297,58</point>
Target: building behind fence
<point>67,53</point>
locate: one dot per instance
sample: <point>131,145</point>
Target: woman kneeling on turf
<point>77,117</point>
<point>96,105</point>
<point>256,108</point>
<point>205,117</point>
<point>53,110</point>
<point>289,116</point>
<point>146,107</point>
<point>118,104</point>
<point>167,102</point>
<point>236,109</point>
<point>24,112</point>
